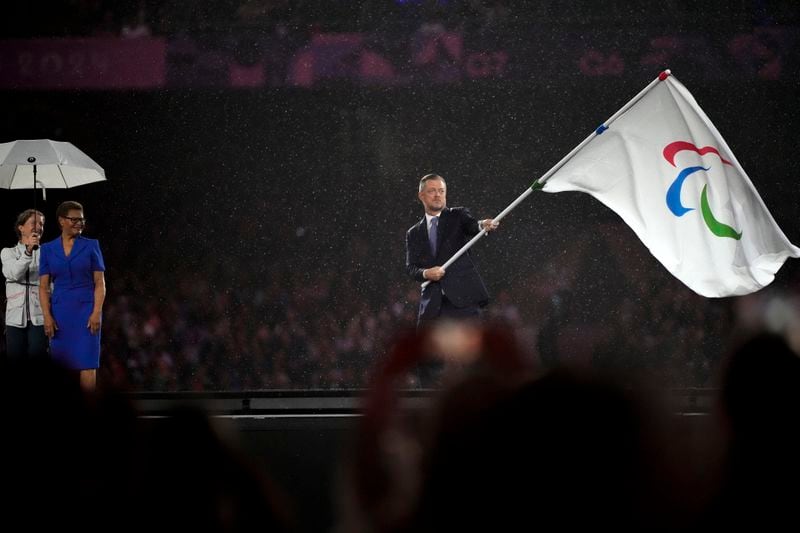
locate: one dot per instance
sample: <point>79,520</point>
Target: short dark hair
<point>66,207</point>
<point>429,177</point>
<point>23,218</point>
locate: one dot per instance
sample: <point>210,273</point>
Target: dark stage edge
<point>326,403</point>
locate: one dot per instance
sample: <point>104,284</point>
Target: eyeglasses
<point>76,220</point>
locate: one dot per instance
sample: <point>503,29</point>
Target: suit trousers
<point>450,311</point>
<point>429,372</point>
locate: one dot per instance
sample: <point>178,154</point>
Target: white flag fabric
<point>664,168</point>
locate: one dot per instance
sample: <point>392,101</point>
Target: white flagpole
<point>539,183</point>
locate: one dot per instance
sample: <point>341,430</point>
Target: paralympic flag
<point>663,167</point>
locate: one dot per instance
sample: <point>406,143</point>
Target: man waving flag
<point>663,167</point>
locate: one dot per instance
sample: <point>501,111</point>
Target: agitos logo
<point>674,192</point>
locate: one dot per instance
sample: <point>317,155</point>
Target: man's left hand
<point>489,225</point>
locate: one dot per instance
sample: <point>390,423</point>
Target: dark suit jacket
<point>462,284</point>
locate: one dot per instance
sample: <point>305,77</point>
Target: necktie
<point>432,235</point>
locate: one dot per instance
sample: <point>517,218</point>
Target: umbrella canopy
<point>59,165</point>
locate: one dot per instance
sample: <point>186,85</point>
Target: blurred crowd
<point>281,322</point>
<point>503,443</point>
<point>139,18</point>
<point>253,43</point>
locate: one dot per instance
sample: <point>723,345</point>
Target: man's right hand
<point>433,274</point>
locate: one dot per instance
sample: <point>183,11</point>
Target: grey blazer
<point>22,286</point>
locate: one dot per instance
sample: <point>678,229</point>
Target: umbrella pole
<point>31,160</point>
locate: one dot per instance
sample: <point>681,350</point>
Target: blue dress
<point>72,301</point>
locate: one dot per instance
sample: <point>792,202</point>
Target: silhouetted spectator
<point>504,449</point>
<point>761,398</point>
<point>78,460</point>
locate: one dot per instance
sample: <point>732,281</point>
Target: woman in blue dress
<point>72,316</point>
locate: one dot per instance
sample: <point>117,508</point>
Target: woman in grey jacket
<point>25,336</point>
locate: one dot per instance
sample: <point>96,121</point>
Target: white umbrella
<point>46,164</point>
<point>42,163</point>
